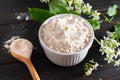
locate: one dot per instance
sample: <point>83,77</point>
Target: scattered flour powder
<point>8,42</point>
<point>66,34</point>
<point>23,16</point>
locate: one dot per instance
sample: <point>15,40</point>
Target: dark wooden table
<point>11,69</point>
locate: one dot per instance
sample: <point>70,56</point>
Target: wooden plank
<point>10,9</point>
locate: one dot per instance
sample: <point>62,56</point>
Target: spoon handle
<point>32,70</point>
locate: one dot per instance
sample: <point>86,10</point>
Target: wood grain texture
<point>11,69</point>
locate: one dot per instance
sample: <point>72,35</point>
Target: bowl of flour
<point>66,39</point>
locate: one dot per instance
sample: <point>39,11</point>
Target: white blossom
<point>89,72</point>
<point>96,15</point>
<point>46,1</point>
<point>74,5</point>
<point>118,52</point>
<point>70,8</point>
<point>117,63</point>
<point>70,2</point>
<point>109,60</point>
<point>95,66</point>
<point>79,1</point>
<point>87,8</point>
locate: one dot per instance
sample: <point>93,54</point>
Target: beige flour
<point>66,34</point>
<point>22,47</point>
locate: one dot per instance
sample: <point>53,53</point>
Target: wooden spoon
<point>21,49</point>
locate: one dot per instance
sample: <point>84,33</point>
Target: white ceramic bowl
<point>64,59</point>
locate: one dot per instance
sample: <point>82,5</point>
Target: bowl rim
<point>71,53</point>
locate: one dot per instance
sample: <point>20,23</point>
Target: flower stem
<point>97,40</point>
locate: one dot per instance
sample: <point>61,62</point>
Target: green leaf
<point>117,30</point>
<point>95,24</point>
<point>58,6</point>
<point>112,10</point>
<point>39,14</point>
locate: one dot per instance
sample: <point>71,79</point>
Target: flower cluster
<point>111,48</point>
<point>79,7</point>
<point>90,66</point>
<point>74,5</point>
